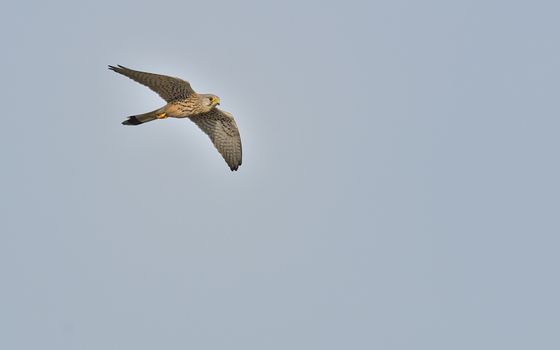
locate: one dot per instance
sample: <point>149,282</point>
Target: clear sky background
<point>399,187</point>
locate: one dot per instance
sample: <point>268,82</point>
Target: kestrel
<point>184,102</point>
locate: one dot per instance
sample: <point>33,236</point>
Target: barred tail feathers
<point>141,118</point>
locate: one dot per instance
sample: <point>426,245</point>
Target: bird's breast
<point>180,109</point>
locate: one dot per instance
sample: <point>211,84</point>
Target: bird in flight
<point>184,102</point>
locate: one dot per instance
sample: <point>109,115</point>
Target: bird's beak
<point>217,100</point>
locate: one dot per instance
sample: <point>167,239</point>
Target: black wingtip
<point>117,68</point>
<point>235,166</point>
<point>132,121</point>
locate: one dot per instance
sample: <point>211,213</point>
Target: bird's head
<point>209,100</point>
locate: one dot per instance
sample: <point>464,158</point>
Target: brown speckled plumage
<point>184,102</point>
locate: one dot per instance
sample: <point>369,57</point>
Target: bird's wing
<point>222,130</point>
<point>168,88</point>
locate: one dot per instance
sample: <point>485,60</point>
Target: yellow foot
<point>161,116</point>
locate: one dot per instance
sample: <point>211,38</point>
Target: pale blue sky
<point>399,188</point>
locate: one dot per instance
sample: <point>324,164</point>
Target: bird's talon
<point>162,116</point>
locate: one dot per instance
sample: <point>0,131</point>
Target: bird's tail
<point>141,118</point>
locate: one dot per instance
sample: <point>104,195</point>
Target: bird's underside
<point>184,102</point>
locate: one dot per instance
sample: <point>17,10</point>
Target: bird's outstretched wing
<point>168,88</point>
<point>222,130</point>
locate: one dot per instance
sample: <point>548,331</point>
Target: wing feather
<point>168,88</point>
<point>224,134</point>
